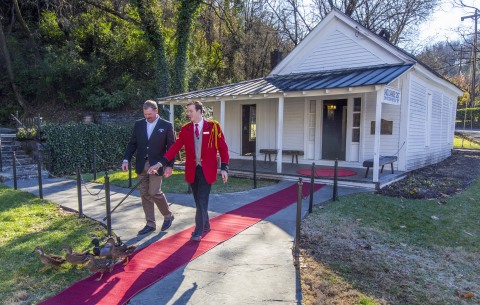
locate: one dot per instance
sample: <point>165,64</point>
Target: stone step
<point>19,162</point>
<point>22,175</point>
<point>18,155</point>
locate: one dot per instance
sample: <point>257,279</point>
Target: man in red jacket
<point>202,140</point>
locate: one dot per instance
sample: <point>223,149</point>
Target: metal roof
<point>378,75</point>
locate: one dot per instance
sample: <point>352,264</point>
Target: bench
<point>294,153</point>
<point>383,160</point>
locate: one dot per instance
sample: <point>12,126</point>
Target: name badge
<point>206,132</point>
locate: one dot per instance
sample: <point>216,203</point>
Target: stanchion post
<point>254,170</point>
<point>39,123</point>
<point>312,181</point>
<point>94,162</point>
<point>79,192</point>
<point>299,216</point>
<point>335,180</point>
<point>129,174</point>
<point>1,157</point>
<point>107,203</point>
<point>14,162</point>
<point>39,172</point>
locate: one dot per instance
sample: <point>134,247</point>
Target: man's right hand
<point>125,166</point>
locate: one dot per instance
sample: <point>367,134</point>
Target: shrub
<point>71,144</point>
<point>26,133</point>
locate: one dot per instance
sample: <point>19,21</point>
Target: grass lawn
<point>26,222</point>
<point>363,249</point>
<point>176,183</point>
<point>373,249</point>
<point>457,143</point>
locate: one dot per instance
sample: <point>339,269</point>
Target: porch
<point>350,174</point>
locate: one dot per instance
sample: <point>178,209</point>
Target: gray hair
<point>150,104</point>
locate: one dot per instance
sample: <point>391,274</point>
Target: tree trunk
<point>184,28</point>
<point>8,64</point>
<point>25,28</point>
<point>149,11</point>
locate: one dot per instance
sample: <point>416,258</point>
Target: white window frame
<point>428,119</point>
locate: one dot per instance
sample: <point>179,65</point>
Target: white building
<point>343,93</point>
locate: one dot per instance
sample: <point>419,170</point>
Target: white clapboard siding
<point>416,152</point>
<point>267,112</point>
<point>445,122</point>
<point>338,51</point>
<point>436,121</point>
<point>389,144</point>
<point>453,117</point>
<point>293,123</point>
<point>420,154</point>
<point>232,132</point>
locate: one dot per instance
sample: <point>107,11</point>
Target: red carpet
<point>327,172</point>
<point>152,263</point>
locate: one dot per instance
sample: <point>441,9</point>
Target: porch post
<point>222,114</point>
<point>280,133</point>
<point>378,121</point>
<point>172,114</point>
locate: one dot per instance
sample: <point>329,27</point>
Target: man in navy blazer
<point>151,138</point>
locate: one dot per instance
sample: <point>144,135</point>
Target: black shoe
<point>167,223</point>
<point>145,230</point>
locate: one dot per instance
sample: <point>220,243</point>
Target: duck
<point>119,241</point>
<point>75,258</point>
<point>103,250</point>
<point>99,265</point>
<point>49,260</point>
<point>122,251</point>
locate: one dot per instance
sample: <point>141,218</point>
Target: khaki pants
<point>151,194</point>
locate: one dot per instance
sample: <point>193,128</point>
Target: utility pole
<point>474,67</point>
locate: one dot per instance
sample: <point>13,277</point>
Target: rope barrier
<point>126,196</point>
<point>107,162</point>
<point>85,186</point>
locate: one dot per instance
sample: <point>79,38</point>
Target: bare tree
<point>291,19</point>
<point>397,18</point>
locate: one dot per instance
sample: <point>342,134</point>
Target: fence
<point>81,183</point>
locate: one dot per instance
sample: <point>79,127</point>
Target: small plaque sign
<point>391,96</point>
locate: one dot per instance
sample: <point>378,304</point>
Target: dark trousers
<point>201,192</point>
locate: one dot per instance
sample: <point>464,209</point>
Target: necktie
<point>197,133</point>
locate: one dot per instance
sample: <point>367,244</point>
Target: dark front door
<point>249,128</point>
<point>334,125</point>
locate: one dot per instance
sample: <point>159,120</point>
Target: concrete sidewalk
<point>254,267</point>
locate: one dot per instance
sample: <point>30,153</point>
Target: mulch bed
<point>450,176</point>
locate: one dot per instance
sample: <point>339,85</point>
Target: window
<point>428,120</point>
<point>357,107</point>
<point>386,127</point>
<point>253,123</point>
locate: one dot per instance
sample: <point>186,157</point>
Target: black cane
<point>129,193</point>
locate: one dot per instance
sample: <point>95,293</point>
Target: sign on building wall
<point>391,96</point>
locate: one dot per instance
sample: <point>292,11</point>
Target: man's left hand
<point>153,169</point>
<point>225,176</point>
<point>168,172</point>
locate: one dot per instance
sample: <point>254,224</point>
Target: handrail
<point>17,120</point>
